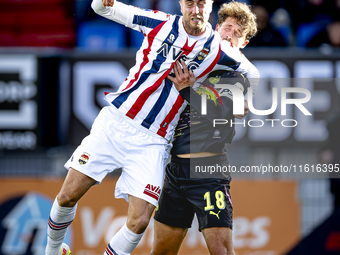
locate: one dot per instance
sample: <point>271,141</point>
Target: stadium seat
<point>101,35</point>
<point>8,38</point>
<point>62,39</point>
<point>37,23</point>
<point>51,17</point>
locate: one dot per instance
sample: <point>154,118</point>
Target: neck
<point>194,32</point>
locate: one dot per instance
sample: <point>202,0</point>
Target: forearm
<point>119,12</point>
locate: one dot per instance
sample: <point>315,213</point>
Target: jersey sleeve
<point>251,73</point>
<point>232,59</point>
<point>133,17</point>
<point>245,66</point>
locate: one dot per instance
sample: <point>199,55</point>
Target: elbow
<point>257,75</point>
<point>93,6</point>
<point>97,6</point>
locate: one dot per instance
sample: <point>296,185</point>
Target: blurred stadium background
<point>57,57</point>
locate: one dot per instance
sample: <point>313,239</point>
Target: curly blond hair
<point>242,12</point>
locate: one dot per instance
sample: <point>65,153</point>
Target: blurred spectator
<point>267,35</point>
<point>282,22</point>
<point>271,6</point>
<point>144,4</point>
<point>83,11</point>
<point>169,6</point>
<point>216,7</point>
<point>306,11</point>
<point>329,35</point>
<point>277,21</point>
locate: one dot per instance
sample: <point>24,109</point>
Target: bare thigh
<point>167,240</point>
<point>219,240</point>
<point>75,185</point>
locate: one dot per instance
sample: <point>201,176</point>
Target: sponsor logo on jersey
<point>216,214</point>
<point>217,134</point>
<point>226,93</point>
<point>165,50</point>
<point>152,191</point>
<point>84,158</point>
<point>171,38</point>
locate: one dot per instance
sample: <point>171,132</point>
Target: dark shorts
<point>181,199</point>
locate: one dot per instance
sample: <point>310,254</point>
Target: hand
<point>108,3</point>
<point>246,109</point>
<point>183,78</point>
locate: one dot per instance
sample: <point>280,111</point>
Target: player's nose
<point>230,32</point>
<point>195,9</point>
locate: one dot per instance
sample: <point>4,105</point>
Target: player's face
<point>232,31</point>
<point>196,14</point>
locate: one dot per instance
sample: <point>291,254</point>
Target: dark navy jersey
<point>195,132</point>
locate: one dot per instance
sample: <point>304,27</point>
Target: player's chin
<point>198,27</point>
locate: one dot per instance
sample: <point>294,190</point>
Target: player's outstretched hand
<point>246,109</point>
<point>183,77</point>
<point>108,3</point>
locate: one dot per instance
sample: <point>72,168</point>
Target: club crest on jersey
<point>214,80</point>
<point>84,158</point>
<point>203,54</point>
<point>152,191</point>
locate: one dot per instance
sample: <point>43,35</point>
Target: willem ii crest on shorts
<point>146,98</point>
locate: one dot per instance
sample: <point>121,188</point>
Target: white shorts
<point>114,143</point>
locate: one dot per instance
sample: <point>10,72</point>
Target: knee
<point>153,252</point>
<point>231,252</point>
<point>138,225</point>
<point>66,200</point>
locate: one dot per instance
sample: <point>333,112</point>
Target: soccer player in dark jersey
<point>199,145</point>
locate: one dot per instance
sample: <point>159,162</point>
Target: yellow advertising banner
<point>266,218</point>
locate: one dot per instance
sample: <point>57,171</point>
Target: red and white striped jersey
<point>147,98</point>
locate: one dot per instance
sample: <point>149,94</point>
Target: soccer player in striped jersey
<point>189,187</point>
<point>135,131</point>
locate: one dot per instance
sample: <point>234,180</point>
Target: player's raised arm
<point>130,16</point>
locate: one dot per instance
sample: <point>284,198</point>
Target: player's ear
<point>180,3</point>
<point>217,27</point>
<point>244,44</point>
